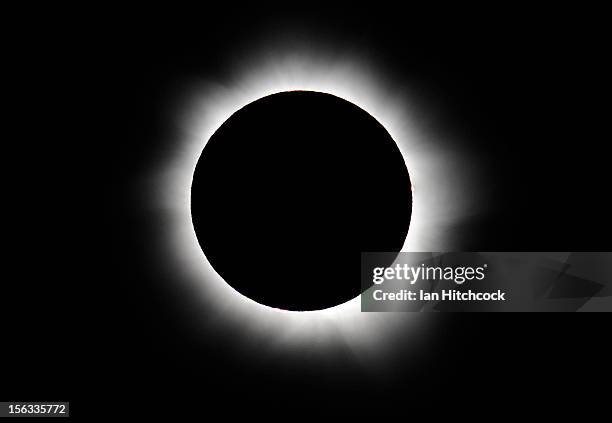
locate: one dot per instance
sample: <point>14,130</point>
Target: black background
<point>83,315</point>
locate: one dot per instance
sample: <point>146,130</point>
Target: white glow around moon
<point>439,196</point>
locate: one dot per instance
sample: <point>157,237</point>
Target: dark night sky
<point>532,81</point>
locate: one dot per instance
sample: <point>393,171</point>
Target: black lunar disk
<point>290,190</point>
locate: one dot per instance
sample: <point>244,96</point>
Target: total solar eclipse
<point>290,190</point>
